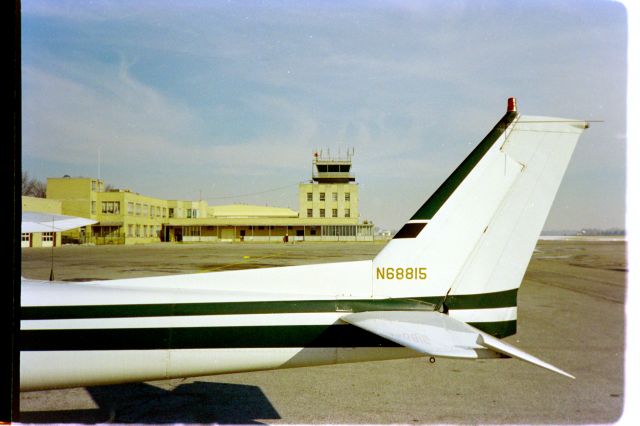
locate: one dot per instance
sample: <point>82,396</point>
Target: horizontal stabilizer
<point>436,334</point>
<point>512,351</point>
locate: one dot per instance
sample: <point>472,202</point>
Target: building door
<point>25,241</point>
<point>227,234</point>
<point>48,239</point>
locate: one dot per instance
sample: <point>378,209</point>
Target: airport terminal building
<point>328,211</point>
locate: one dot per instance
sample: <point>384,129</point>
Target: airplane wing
<point>436,334</point>
<point>49,222</point>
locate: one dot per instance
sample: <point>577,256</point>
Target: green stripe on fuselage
<point>497,329</point>
<point>503,299</point>
<point>289,336</point>
<point>500,299</point>
<point>442,194</point>
<point>221,308</point>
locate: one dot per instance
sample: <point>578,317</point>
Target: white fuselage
<point>79,334</point>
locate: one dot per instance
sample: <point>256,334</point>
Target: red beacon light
<point>511,105</point>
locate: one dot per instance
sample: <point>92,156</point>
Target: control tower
<point>332,170</point>
<point>332,192</point>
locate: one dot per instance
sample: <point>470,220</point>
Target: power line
<point>252,193</point>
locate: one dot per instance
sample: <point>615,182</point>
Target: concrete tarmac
<point>570,313</point>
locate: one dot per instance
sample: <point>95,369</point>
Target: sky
<point>227,101</point>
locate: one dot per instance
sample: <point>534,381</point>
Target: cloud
<point>65,119</point>
<point>246,91</point>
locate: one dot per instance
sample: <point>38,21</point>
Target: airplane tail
<point>467,247</point>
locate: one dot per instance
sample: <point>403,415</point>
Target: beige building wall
<point>267,228</point>
<point>41,205</point>
<point>187,209</point>
<point>329,200</point>
<point>125,217</point>
<point>79,197</point>
<point>250,210</point>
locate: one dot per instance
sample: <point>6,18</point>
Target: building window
<point>321,212</point>
<point>145,210</point>
<point>130,231</point>
<point>334,212</point>
<point>138,231</point>
<point>309,212</point>
<point>130,209</point>
<point>171,212</point>
<point>111,207</point>
<point>322,196</point>
<point>192,231</point>
<point>93,207</point>
<point>347,196</point>
<point>144,230</point>
<point>93,185</point>
<point>347,212</point>
<point>339,230</point>
<point>188,213</point>
<point>164,212</point>
<point>26,237</point>
<point>309,196</point>
<point>107,231</point>
<point>138,210</point>
<point>153,211</point>
<point>47,237</point>
<point>334,196</point>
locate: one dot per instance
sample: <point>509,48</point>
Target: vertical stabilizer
<point>469,244</point>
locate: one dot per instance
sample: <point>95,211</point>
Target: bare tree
<point>39,189</point>
<point>25,183</point>
<point>33,187</point>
